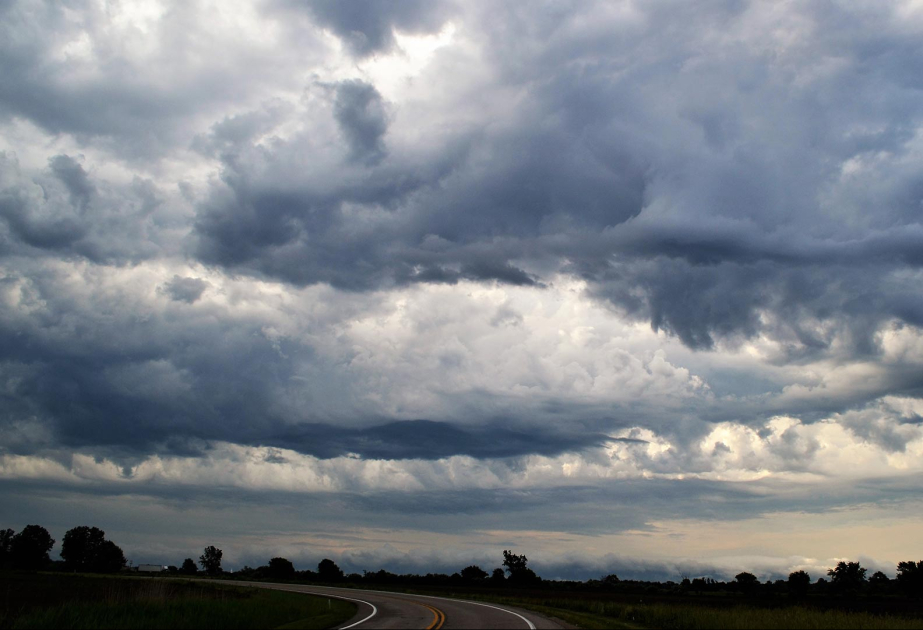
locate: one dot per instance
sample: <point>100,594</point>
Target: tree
<point>6,546</point>
<point>746,582</point>
<point>910,577</point>
<point>211,560</point>
<point>879,579</point>
<point>189,567</point>
<point>798,583</point>
<point>746,579</point>
<point>473,572</point>
<point>80,545</point>
<point>517,567</point>
<point>29,548</point>
<point>847,576</point>
<point>498,575</point>
<point>281,569</point>
<point>86,549</point>
<point>110,558</point>
<point>514,563</point>
<point>328,571</point>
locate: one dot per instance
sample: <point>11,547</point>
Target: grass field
<point>76,601</point>
<point>589,613</point>
<point>586,610</point>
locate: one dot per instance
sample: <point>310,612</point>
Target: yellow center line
<point>438,618</point>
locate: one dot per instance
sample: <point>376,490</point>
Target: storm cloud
<point>431,259</point>
<point>711,218</point>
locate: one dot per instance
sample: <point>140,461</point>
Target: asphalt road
<point>383,609</point>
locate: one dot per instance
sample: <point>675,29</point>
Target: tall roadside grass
<point>602,614</point>
<point>90,602</point>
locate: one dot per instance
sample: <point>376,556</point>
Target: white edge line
<point>531,625</point>
<point>468,601</point>
<point>353,625</point>
<point>450,599</point>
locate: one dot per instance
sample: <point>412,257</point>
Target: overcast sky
<point>627,287</point>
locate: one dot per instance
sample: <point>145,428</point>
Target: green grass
<point>596,613</point>
<point>581,619</point>
<point>67,601</point>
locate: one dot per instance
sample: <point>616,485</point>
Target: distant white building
<point>150,568</point>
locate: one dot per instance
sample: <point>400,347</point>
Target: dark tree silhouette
<point>80,545</point>
<point>211,560</point>
<point>498,575</point>
<point>517,567</point>
<point>86,549</point>
<point>473,572</point>
<point>514,563</point>
<point>189,567</point>
<point>798,583</point>
<point>910,577</point>
<point>879,578</point>
<point>110,558</point>
<point>281,569</point>
<point>6,546</point>
<point>328,571</point>
<point>847,576</point>
<point>611,580</point>
<point>29,548</point>
<point>746,582</point>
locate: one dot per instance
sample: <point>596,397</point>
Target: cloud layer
<point>468,258</point>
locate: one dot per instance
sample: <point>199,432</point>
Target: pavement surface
<point>383,609</point>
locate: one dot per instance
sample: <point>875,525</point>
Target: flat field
<point>587,610</point>
<point>49,600</point>
<point>600,613</point>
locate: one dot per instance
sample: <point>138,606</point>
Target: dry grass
<point>68,601</point>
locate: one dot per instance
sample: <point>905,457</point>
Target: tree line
<point>845,579</point>
<point>86,549</point>
<point>515,572</point>
<point>83,549</point>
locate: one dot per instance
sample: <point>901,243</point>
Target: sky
<point>627,287</point>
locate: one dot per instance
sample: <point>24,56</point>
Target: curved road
<point>383,609</point>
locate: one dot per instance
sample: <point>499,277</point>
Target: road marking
<point>361,601</point>
<point>450,599</point>
<point>439,617</point>
<point>375,610</point>
<point>531,625</point>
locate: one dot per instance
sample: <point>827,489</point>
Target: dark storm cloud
<point>135,88</point>
<point>61,212</point>
<point>367,29</point>
<point>739,196</point>
<point>433,219</point>
<point>43,88</point>
<point>360,112</point>
<point>423,439</point>
<point>699,213</point>
<point>185,289</point>
<point>75,179</point>
<point>604,508</point>
<point>718,188</point>
<point>179,376</point>
<point>172,382</point>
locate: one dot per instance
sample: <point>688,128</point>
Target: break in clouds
<point>450,272</point>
